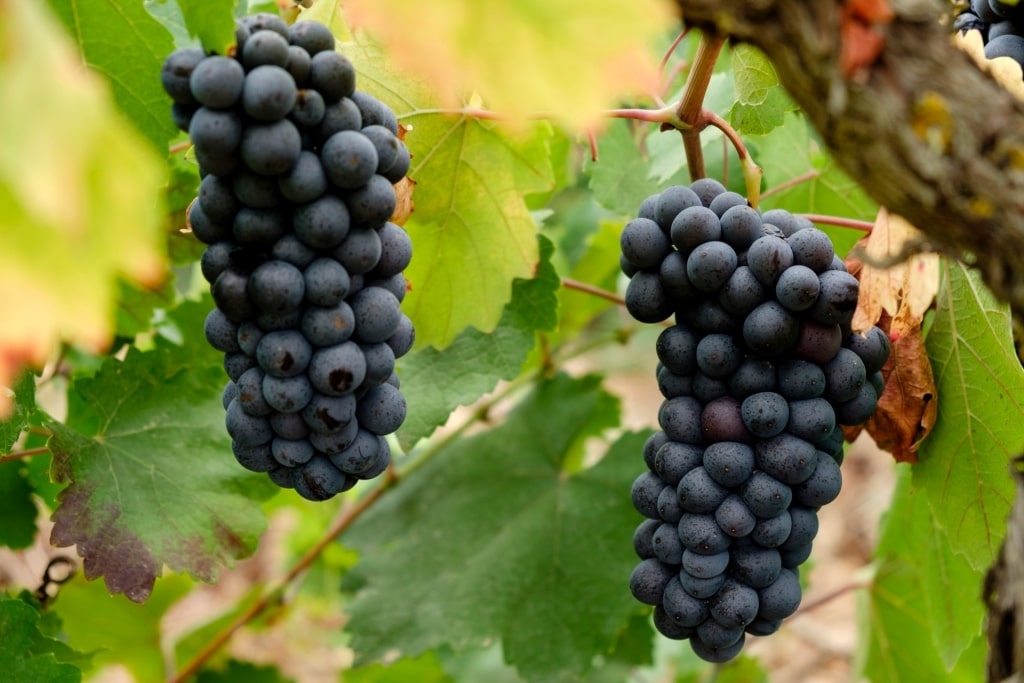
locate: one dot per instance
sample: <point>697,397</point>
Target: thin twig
<point>277,590</point>
<point>839,221</point>
<point>792,182</point>
<point>179,147</point>
<point>690,109</point>
<point>591,289</point>
<point>829,597</point>
<point>672,48</point>
<point>712,119</point>
<point>28,453</point>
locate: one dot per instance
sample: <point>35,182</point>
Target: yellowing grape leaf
<point>79,196</point>
<point>567,58</point>
<point>896,299</point>
<point>472,231</point>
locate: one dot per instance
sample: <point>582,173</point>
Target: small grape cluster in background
<point>758,372</point>
<point>305,268</point>
<point>1001,26</point>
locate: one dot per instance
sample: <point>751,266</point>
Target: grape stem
<point>792,182</point>
<point>690,110</point>
<point>591,289</point>
<point>829,597</point>
<point>28,453</point>
<point>839,221</point>
<point>179,147</point>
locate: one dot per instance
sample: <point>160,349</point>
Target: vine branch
<point>28,453</point>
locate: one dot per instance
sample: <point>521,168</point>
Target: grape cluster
<point>303,263</point>
<point>1001,25</point>
<point>758,372</point>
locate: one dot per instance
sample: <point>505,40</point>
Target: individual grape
<point>754,566</point>
<point>265,48</point>
<point>725,201</point>
<point>735,517</point>
<point>204,229</point>
<point>1007,45</point>
<point>215,133</point>
<point>349,159</point>
<point>360,252</point>
<point>323,223</point>
<point>228,292</point>
<point>395,251</point>
<point>337,370</point>
<point>773,531</point>
<point>254,458</point>
<point>844,376</point>
<point>705,565</point>
<point>643,538</point>
<point>216,82</point>
<point>667,546</point>
<point>728,463</point>
<point>375,112</point>
<point>700,587</point>
<point>735,605</point>
<point>718,355</point>
<point>255,191</point>
<point>858,409</point>
<point>287,394</point>
<point>645,492</point>
<point>722,420</point>
<point>282,476</point>
<point>365,454</point>
<point>305,181</point>
<point>768,258</point>
<point>837,299</point>
<point>812,248</point>
<point>377,314</point>
<point>752,376</point>
<point>872,347</point>
<point>651,446</point>
<point>741,227</point>
<point>673,460</point>
<point>713,653</point>
<point>326,281</point>
<point>274,322</point>
<point>763,627</point>
<point>742,292</point>
<point>683,608</point>
<point>648,207</point>
<point>799,379</point>
<point>780,599</point>
<point>770,330</point>
<point>311,36</point>
<point>833,444</point>
<point>396,284</point>
<point>245,429</point>
<point>221,333</point>
<point>342,115</point>
<point>818,343</point>
<point>403,338</point>
<point>271,148</point>
<point>309,110</point>
<point>672,385</point>
<point>372,204</point>
<point>181,115</point>
<point>381,410</point>
<point>698,492</point>
<point>804,528</point>
<point>649,579</point>
<point>715,635</point>
<point>822,486</point>
<point>319,480</point>
<point>671,202</point>
<point>269,93</point>
<point>669,508</point>
<point>707,189</point>
<point>176,72</point>
<point>229,394</point>
<point>291,453</point>
<point>710,265</point>
<point>797,288</point>
<point>680,418</point>
<point>284,353</point>
<point>266,21</point>
<point>764,495</point>
<point>217,200</point>
<point>276,287</point>
<point>787,458</point>
<point>336,441</point>
<point>646,299</point>
<point>237,363</point>
<point>216,259</point>
<point>386,143</point>
<point>289,425</point>
<point>328,325</point>
<point>329,414</point>
<point>701,534</point>
<point>765,414</point>
<point>706,389</point>
<point>259,227</point>
<point>333,75</point>
<point>791,559</point>
<point>250,393</point>
<point>693,227</point>
<point>782,219</point>
<point>812,419</point>
<point>673,278</point>
<point>293,250</point>
<point>299,65</point>
<point>710,318</point>
<point>644,243</point>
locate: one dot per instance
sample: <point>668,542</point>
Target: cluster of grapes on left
<point>305,267</point>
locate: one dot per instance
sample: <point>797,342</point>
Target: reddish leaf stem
<point>28,453</point>
<point>179,147</point>
<point>839,221</point>
<point>690,110</point>
<point>672,48</point>
<point>274,594</point>
<point>792,182</point>
<point>591,289</point>
<point>829,597</point>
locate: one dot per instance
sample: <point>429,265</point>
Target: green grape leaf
<point>170,17</point>
<point>107,222</point>
<point>118,631</point>
<point>599,267</point>
<point>791,152</point>
<point>24,410</point>
<point>26,654</point>
<point>136,305</point>
<point>17,509</point>
<point>122,41</point>
<point>244,672</point>
<point>911,634</point>
<point>152,480</point>
<point>753,74</point>
<point>423,669</point>
<point>211,21</point>
<point>764,117</point>
<point>472,231</point>
<point>964,464</point>
<point>436,382</point>
<point>507,543</point>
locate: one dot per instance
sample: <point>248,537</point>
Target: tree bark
<point>1004,595</point>
<point>921,128</point>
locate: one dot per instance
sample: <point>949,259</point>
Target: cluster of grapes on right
<point>758,372</point>
<point>1001,25</point>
